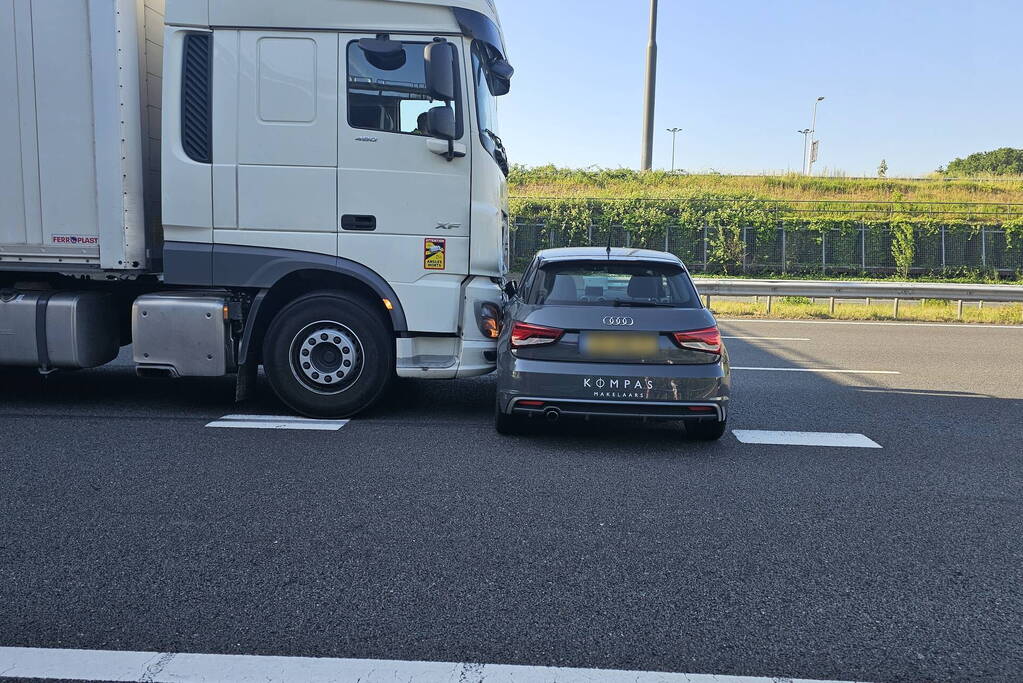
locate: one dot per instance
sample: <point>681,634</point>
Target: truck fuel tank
<point>58,330</point>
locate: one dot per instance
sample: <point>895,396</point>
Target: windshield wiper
<point>618,303</point>
<point>502,153</point>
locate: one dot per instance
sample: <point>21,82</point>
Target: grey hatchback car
<point>611,333</point>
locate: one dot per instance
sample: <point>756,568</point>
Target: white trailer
<point>316,187</point>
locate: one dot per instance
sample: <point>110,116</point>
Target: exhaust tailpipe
<point>552,415</point>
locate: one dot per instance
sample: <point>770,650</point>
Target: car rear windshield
<point>614,283</point>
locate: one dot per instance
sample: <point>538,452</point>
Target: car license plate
<point>619,345</point>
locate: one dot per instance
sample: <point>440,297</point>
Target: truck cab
<point>331,183</point>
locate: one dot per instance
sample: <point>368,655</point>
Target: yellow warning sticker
<point>435,257</point>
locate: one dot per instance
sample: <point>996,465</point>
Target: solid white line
<point>804,439</point>
<point>95,665</point>
<point>964,326</point>
<point>770,338</point>
<point>277,422</point>
<point>821,370</point>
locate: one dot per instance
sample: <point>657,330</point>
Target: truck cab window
<point>389,96</point>
<point>486,106</point>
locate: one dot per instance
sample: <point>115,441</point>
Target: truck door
<point>275,137</point>
<point>404,201</point>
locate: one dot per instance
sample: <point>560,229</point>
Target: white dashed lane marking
<point>784,339</point>
<point>767,438</point>
<point>96,665</point>
<point>962,326</point>
<point>820,370</point>
<point>277,422</point>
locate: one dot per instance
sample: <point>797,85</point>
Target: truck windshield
<point>486,106</point>
<point>611,283</point>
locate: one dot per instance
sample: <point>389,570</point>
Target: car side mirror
<point>441,124</point>
<point>511,288</point>
<point>440,71</point>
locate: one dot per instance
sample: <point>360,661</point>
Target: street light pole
<point>651,92</point>
<point>674,135</point>
<point>806,146</point>
<point>813,133</point>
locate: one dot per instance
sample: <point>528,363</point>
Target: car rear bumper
<point>678,392</point>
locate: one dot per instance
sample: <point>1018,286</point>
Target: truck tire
<point>329,356</point>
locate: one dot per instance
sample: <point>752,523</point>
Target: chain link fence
<point>791,248</point>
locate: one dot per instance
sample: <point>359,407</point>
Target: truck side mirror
<point>440,71</point>
<point>441,123</point>
<point>511,288</point>
<point>383,53</point>
<point>501,73</point>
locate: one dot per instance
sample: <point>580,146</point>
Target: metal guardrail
<point>838,289</point>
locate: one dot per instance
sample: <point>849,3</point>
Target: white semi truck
<point>312,186</point>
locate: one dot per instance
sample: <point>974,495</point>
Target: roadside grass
<point>929,311</point>
<point>565,183</point>
<point>961,276</point>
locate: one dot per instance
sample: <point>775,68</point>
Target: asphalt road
<point>417,533</point>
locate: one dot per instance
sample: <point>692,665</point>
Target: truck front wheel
<point>329,356</point>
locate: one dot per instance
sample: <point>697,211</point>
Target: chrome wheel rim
<point>327,357</point>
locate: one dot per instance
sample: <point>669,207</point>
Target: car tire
<point>706,431</point>
<point>328,355</point>
<point>507,425</point>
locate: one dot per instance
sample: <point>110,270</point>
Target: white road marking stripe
<point>821,370</point>
<point>277,422</point>
<point>752,436</point>
<point>964,326</point>
<point>770,338</point>
<point>95,665</point>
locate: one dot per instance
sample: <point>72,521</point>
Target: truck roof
<point>394,15</point>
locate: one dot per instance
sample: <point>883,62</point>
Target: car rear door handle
<point>358,223</point>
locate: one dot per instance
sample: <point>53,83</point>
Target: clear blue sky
<point>915,82</point>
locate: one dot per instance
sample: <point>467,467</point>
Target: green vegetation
<point>789,190</point>
<point>798,308</point>
<point>901,216</point>
<point>966,276</point>
<point>1000,162</point>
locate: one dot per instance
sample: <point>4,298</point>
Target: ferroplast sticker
<point>435,254</point>
<point>75,240</point>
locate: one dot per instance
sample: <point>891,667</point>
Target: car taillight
<point>708,341</point>
<point>524,334</point>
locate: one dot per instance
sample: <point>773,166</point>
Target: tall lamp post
<point>651,92</point>
<point>674,136</point>
<point>806,145</point>
<point>808,167</point>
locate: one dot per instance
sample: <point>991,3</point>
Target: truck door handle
<point>441,147</point>
<point>358,223</point>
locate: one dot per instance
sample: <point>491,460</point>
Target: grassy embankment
<point>958,195</point>
<point>973,201</point>
<point>794,308</point>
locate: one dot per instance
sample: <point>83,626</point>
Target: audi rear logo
<point>618,321</point>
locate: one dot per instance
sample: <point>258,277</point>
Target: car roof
<point>601,253</point>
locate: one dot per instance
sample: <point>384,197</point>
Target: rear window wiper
<point>641,304</point>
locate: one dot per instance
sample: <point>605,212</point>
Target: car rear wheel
<point>706,431</point>
<point>508,425</point>
<point>329,356</point>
